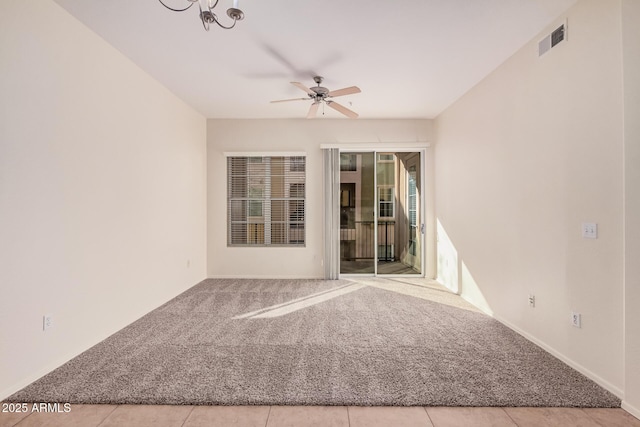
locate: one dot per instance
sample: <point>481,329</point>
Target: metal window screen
<point>266,201</point>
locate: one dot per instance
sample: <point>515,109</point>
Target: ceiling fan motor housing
<point>321,92</point>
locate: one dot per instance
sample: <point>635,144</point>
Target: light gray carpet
<point>371,346</point>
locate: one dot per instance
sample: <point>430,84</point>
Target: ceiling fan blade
<point>313,110</point>
<point>303,87</point>
<point>345,91</point>
<point>342,109</point>
<point>293,99</point>
<point>293,70</point>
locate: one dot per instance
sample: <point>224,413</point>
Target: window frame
<point>283,214</point>
<point>387,203</point>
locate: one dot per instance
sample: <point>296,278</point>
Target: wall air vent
<point>551,40</point>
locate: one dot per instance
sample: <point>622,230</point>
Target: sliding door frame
<point>420,148</point>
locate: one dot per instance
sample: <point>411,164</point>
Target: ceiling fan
<point>319,94</point>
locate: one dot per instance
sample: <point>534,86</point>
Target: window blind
<point>266,201</point>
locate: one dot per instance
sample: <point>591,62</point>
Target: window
<point>256,194</point>
<point>297,164</point>
<point>385,202</point>
<point>348,163</point>
<point>266,201</point>
<point>386,170</point>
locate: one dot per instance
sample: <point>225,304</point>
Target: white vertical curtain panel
<point>331,169</point>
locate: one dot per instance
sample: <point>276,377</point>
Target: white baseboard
<point>49,367</point>
<point>631,409</point>
<point>589,374</point>
<point>586,372</point>
<point>39,374</point>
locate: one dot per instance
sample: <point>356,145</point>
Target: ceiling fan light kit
<point>321,95</point>
<point>207,15</point>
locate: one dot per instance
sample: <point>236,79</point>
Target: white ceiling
<point>411,58</point>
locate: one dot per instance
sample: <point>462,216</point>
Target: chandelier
<point>208,16</point>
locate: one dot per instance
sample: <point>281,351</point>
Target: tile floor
<point>321,416</point>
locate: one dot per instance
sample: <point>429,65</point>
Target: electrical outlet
<point>47,322</point>
<point>576,320</point>
<point>532,300</point>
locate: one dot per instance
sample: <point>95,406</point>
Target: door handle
<point>422,228</point>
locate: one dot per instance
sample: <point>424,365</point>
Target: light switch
<point>589,230</point>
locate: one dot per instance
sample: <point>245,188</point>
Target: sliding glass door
<point>357,213</point>
<point>380,215</point>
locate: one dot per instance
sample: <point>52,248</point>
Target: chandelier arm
<point>175,10</point>
<point>208,16</point>
<point>227,28</point>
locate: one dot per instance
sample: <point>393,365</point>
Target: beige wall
<point>522,160</point>
<point>631,72</point>
<point>286,135</point>
<point>102,191</point>
<point>103,214</point>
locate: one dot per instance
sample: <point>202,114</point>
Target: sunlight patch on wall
<point>454,274</point>
<point>471,291</point>
<point>447,259</point>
